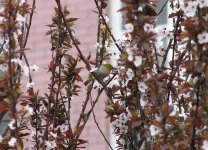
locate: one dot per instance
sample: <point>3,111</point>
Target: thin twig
<point>94,117</point>
<point>107,27</point>
<point>161,10</point>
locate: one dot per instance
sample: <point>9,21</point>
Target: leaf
<point>69,135</point>
<point>78,130</point>
<point>80,141</point>
<point>71,19</point>
<point>78,78</point>
<point>172,15</point>
<point>123,9</point>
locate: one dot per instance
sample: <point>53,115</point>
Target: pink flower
<point>12,124</point>
<point>142,87</point>
<point>50,144</point>
<point>154,130</point>
<point>203,38</point>
<point>129,27</point>
<point>12,141</point>
<point>203,3</point>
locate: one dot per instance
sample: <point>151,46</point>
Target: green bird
<point>101,72</point>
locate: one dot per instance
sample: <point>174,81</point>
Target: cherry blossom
<point>117,123</point>
<point>12,124</point>
<point>30,109</point>
<point>142,87</point>
<point>24,67</point>
<point>20,18</point>
<point>3,67</point>
<point>106,19</point>
<point>32,134</point>
<point>1,138</point>
<point>130,73</point>
<point>53,134</point>
<point>205,145</point>
<point>22,2</point>
<point>50,144</point>
<point>123,129</point>
<point>30,85</point>
<point>63,128</point>
<point>12,141</point>
<point>203,3</point>
<point>175,110</point>
<point>138,61</point>
<point>98,45</point>
<point>154,130</point>
<point>190,9</point>
<point>203,37</point>
<point>148,27</point>
<point>34,68</point>
<point>164,32</point>
<point>129,27</point>
<point>140,9</point>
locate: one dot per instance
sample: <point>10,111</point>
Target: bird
<point>100,72</point>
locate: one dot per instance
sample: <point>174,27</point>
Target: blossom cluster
<point>120,123</point>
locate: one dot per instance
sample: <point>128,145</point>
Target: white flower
<point>205,145</point>
<point>1,138</point>
<point>130,73</point>
<point>123,118</point>
<point>12,124</point>
<point>175,110</point>
<point>106,19</point>
<point>30,110</point>
<point>142,101</point>
<point>129,27</point>
<point>203,3</point>
<point>3,67</point>
<point>2,19</point>
<point>117,123</point>
<point>154,130</point>
<point>203,38</point>
<point>34,68</point>
<point>12,141</point>
<point>140,9</point>
<point>53,134</point>
<point>138,61</point>
<point>163,32</point>
<point>130,53</point>
<point>21,2</point>
<point>30,85</point>
<point>63,128</point>
<point>20,18</point>
<point>183,114</point>
<point>20,63</point>
<point>128,113</point>
<point>123,129</point>
<point>97,85</point>
<point>142,87</point>
<point>191,8</point>
<point>106,43</point>
<point>50,144</point>
<point>25,70</point>
<point>98,45</point>
<point>148,27</point>
<point>33,134</point>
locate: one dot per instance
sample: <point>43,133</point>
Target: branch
<point>94,117</point>
<point>162,8</point>
<point>107,27</point>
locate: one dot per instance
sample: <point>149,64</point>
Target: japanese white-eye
<point>101,72</point>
